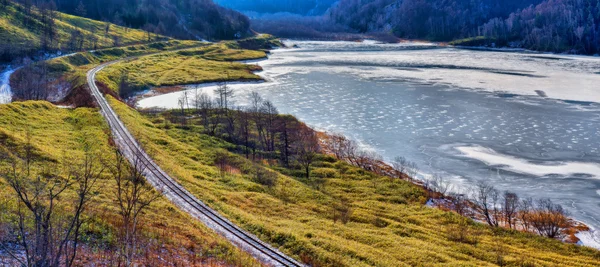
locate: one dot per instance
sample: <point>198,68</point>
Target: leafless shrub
<point>133,195</point>
<point>486,198</point>
<point>510,208</point>
<point>264,177</point>
<point>46,230</point>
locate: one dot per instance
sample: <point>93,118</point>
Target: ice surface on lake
<point>529,123</point>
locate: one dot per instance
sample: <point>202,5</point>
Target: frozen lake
<point>529,123</point>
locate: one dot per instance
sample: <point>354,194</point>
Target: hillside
<point>31,31</point>
<point>184,19</point>
<point>307,7</point>
<point>63,137</point>
<point>551,25</point>
<point>439,20</point>
<point>340,215</point>
<point>174,62</point>
<point>554,25</point>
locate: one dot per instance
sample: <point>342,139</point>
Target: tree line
<point>258,130</point>
<point>482,202</point>
<point>438,20</point>
<point>505,209</point>
<point>186,19</point>
<point>554,25</point>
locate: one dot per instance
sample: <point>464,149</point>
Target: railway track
<point>176,193</point>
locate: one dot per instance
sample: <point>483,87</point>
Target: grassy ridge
<point>57,132</point>
<point>20,32</point>
<point>389,225</point>
<point>72,69</point>
<point>210,63</point>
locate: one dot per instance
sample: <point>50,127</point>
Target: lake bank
<point>426,103</point>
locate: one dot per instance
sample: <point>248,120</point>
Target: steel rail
<point>176,193</point>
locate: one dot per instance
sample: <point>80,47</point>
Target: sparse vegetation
<point>167,234</point>
<point>211,63</point>
<point>25,31</point>
<point>383,221</point>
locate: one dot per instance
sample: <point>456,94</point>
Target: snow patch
<point>5,91</point>
<point>519,165</point>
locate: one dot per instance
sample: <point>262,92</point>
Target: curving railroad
<point>176,193</point>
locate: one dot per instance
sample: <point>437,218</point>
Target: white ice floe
<point>519,165</point>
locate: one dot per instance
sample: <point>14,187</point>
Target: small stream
<point>5,92</point>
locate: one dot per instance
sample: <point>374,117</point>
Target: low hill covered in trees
<point>551,25</point>
<point>554,25</point>
<point>185,19</point>
<point>26,30</point>
<point>571,26</point>
<point>305,7</point>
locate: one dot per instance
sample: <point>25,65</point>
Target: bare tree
<point>412,170</point>
<point>244,119</point>
<point>486,199</point>
<point>49,235</point>
<point>400,165</point>
<point>183,103</point>
<point>307,148</point>
<point>510,208</point>
<point>525,212</point>
<point>439,184</point>
<point>224,94</point>
<point>270,115</point>
<point>133,195</point>
<point>460,203</point>
<point>222,162</point>
<point>549,219</point>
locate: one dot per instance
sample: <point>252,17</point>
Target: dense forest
<point>571,26</point>
<point>552,25</point>
<point>433,20</point>
<point>188,19</point>
<point>304,7</point>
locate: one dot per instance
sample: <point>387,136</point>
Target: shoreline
<point>574,232</point>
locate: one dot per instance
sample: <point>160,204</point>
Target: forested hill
<point>29,30</point>
<point>424,19</point>
<point>301,7</point>
<point>550,25</point>
<point>185,19</point>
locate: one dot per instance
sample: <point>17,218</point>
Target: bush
<point>264,177</point>
<point>325,173</point>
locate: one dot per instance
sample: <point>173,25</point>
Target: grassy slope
<point>73,69</point>
<point>204,64</point>
<point>22,32</point>
<point>390,226</point>
<point>56,132</point>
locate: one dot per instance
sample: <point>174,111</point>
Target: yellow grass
<point>389,226</point>
<point>205,64</point>
<point>57,132</point>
